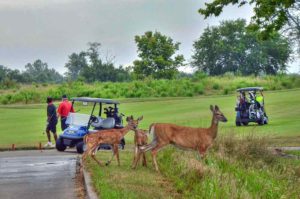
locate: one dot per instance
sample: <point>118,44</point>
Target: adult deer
<point>199,139</point>
<point>109,136</point>
<point>140,139</point>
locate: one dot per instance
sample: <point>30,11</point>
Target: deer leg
<point>116,152</point>
<point>94,149</point>
<point>109,161</point>
<point>137,159</point>
<point>135,156</point>
<point>86,153</point>
<point>154,153</point>
<point>84,156</point>
<point>202,150</point>
<point>144,160</point>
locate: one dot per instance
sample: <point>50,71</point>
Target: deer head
<point>133,124</point>
<point>218,115</point>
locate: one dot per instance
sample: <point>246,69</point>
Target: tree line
<point>228,47</point>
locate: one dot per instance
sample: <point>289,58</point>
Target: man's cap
<point>49,99</point>
<point>64,96</point>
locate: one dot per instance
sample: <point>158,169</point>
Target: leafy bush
<point>199,84</point>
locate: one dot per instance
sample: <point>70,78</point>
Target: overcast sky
<point>51,30</point>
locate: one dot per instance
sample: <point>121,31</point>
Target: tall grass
<point>185,87</point>
<point>235,168</point>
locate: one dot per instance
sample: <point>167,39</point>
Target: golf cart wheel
<point>60,145</point>
<point>260,122</point>
<point>238,123</point>
<point>245,123</point>
<point>266,120</point>
<point>80,147</point>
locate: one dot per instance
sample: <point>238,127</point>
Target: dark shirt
<point>51,113</point>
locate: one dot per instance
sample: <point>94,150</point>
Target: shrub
<point>199,84</point>
<point>226,91</point>
<point>216,86</point>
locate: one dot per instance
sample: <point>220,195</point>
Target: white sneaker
<point>49,144</point>
<point>52,145</point>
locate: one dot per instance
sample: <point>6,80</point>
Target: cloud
<point>31,3</point>
<point>53,29</point>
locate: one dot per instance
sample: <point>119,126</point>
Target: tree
<point>76,63</point>
<point>229,47</point>
<point>156,53</point>
<point>90,66</point>
<point>2,72</point>
<point>293,27</point>
<point>40,73</point>
<point>270,15</point>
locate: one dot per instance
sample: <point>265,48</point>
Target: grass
<point>124,182</point>
<point>23,125</point>
<point>236,167</point>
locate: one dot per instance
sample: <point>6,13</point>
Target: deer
<point>109,136</point>
<point>198,139</point>
<point>140,139</point>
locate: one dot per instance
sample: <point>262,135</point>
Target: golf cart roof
<point>97,100</point>
<point>250,89</point>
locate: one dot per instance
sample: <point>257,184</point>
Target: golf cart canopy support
<point>250,89</point>
<point>95,100</point>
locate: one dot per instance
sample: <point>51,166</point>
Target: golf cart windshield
<point>107,107</point>
<point>78,119</point>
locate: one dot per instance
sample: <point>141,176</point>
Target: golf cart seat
<point>107,123</point>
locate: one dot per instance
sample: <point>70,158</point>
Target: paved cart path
<point>34,174</point>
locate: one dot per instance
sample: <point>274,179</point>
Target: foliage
<point>75,64</point>
<point>90,67</point>
<point>156,53</point>
<point>293,27</point>
<point>37,72</point>
<point>40,73</point>
<point>199,84</point>
<point>270,15</point>
<point>234,168</point>
<point>229,47</point>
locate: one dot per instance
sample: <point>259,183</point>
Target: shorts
<point>63,123</point>
<point>51,126</point>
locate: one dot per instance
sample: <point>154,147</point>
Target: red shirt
<point>65,107</point>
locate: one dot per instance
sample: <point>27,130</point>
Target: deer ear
<point>212,108</point>
<point>127,119</point>
<point>140,118</point>
<point>217,108</point>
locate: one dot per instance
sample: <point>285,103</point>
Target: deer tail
<point>150,146</point>
<point>85,139</point>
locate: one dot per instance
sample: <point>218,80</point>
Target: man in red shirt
<point>64,108</point>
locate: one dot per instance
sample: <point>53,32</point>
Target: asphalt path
<point>43,174</point>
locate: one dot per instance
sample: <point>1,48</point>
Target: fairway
<point>23,125</point>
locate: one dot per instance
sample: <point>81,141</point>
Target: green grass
<point>233,169</point>
<point>23,124</point>
<point>125,182</point>
<point>236,167</point>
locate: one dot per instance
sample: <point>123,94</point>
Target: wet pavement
<point>35,174</point>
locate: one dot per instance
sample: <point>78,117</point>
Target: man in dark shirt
<point>51,122</point>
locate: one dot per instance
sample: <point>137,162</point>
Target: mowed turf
<point>24,125</point>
